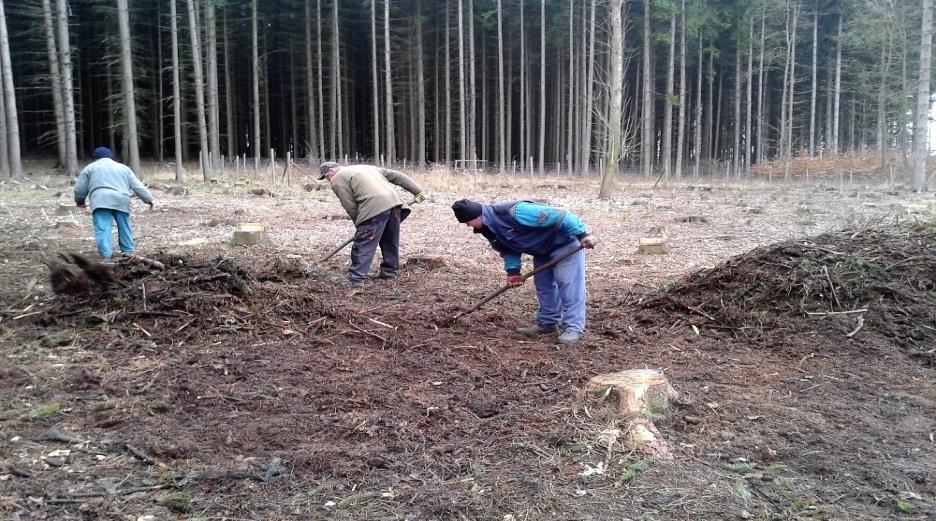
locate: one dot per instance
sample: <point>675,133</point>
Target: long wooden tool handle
<point>336,250</point>
<point>505,287</point>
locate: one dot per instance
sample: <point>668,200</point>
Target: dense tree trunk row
<point>718,87</point>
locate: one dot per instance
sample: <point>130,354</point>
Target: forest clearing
<point>796,322</point>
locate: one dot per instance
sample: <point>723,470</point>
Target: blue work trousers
<point>103,220</point>
<point>382,230</point>
<point>561,290</point>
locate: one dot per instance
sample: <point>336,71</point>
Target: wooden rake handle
<point>505,287</point>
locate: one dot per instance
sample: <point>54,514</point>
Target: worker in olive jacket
<point>368,194</point>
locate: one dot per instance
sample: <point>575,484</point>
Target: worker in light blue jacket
<point>545,232</point>
<point>109,185</point>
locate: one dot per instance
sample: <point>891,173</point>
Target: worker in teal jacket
<point>109,185</point>
<point>545,232</point>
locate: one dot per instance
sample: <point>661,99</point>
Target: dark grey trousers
<point>381,230</point>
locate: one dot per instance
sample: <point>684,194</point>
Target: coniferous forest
<point>691,87</point>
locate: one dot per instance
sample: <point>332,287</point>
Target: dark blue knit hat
<point>101,153</point>
<point>466,210</point>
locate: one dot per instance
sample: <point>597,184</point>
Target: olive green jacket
<point>366,191</point>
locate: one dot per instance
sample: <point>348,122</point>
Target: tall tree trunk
<point>230,107</point>
<point>616,68</point>
<point>739,83</point>
<point>501,116</point>
<point>920,130</point>
<point>388,87</point>
<point>570,133</point>
<point>310,87</point>
<point>542,93</point>
<point>589,91</point>
<point>376,81</point>
<point>838,87</point>
<point>812,93</point>
<point>255,141</point>
<point>667,103</point>
<point>199,90</point>
<point>699,153</point>
<point>4,141</point>
<point>68,92</point>
<point>420,91</point>
<point>337,143</point>
<point>683,100</point>
<point>462,136</point>
<point>123,23</point>
<point>176,95</point>
<point>646,138</point>
<point>761,90</point>
<point>55,78</point>
<point>320,90</point>
<point>472,92</point>
<point>9,93</point>
<point>708,143</point>
<point>214,124</point>
<point>523,99</point>
<point>750,105</point>
<point>448,85</point>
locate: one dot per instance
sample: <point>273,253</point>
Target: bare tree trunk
<point>214,124</point>
<point>589,91</point>
<point>883,138</point>
<point>420,90</point>
<point>667,103</point>
<point>750,105</point>
<point>176,95</point>
<point>310,89</point>
<point>462,135</point>
<point>255,141</point>
<point>9,93</point>
<point>123,23</point>
<point>336,128</point>
<point>523,90</point>
<point>697,168</point>
<point>501,112</point>
<point>376,82</point>
<point>56,81</point>
<point>761,90</point>
<point>230,108</point>
<point>199,91</point>
<point>570,134</point>
<point>683,101</point>
<point>616,68</point>
<point>320,84</point>
<point>448,86</point>
<point>739,83</point>
<point>68,92</point>
<point>542,94</point>
<point>920,134</point>
<point>646,138</point>
<point>4,142</point>
<point>388,87</point>
<point>472,94</point>
<point>812,95</point>
<point>838,87</point>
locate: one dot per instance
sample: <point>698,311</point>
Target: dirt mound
<point>881,279</point>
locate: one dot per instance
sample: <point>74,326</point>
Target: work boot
<point>354,290</point>
<point>537,330</point>
<point>569,337</point>
<point>383,275</point>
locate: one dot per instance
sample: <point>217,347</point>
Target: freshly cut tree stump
<point>653,246</point>
<point>635,397</point>
<point>250,234</point>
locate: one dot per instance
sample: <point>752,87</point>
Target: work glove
<point>420,197</point>
<point>515,280</point>
<point>588,241</point>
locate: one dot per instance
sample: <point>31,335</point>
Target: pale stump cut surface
<point>634,397</point>
<point>250,234</point>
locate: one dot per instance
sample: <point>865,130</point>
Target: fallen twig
<point>850,312</point>
<point>366,332</point>
<point>858,328</point>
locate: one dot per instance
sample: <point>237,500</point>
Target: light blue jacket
<point>109,185</point>
<point>536,229</point>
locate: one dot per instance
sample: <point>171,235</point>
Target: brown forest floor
<point>232,386</point>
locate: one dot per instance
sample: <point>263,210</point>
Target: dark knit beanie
<point>466,210</point>
<point>101,153</point>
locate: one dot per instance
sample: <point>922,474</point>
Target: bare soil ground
<point>798,322</point>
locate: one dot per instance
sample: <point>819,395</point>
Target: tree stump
<point>653,246</point>
<point>635,397</point>
<point>250,234</point>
